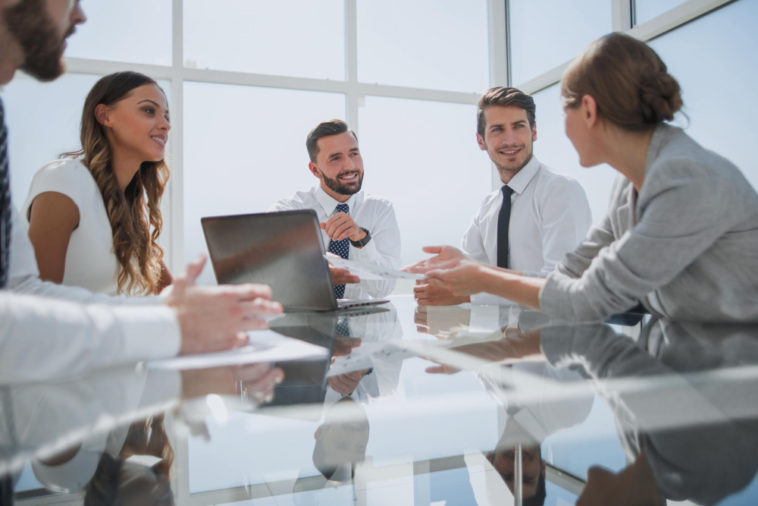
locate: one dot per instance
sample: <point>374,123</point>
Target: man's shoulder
<point>376,200</point>
<point>300,200</point>
<point>552,180</point>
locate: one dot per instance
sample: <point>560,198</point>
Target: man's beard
<point>337,187</point>
<point>35,32</point>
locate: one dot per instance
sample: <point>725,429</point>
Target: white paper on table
<point>364,356</point>
<point>370,271</point>
<point>264,346</point>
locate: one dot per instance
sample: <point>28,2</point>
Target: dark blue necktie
<point>5,202</point>
<point>502,227</point>
<point>341,248</point>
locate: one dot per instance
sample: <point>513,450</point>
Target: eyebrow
<point>151,101</point>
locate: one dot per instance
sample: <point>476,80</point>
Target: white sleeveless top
<point>90,261</point>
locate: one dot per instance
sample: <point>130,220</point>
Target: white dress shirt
<point>373,213</point>
<point>66,330</point>
<point>550,216</point>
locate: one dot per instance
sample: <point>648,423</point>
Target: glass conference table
<point>404,405</point>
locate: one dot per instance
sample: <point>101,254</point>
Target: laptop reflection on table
<point>282,249</point>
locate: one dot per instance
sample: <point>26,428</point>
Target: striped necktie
<point>5,202</point>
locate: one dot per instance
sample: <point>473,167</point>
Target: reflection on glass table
<point>528,412</point>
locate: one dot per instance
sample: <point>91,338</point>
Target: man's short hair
<point>325,129</point>
<point>502,96</point>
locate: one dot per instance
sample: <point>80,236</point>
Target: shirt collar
<point>328,203</point>
<point>521,180</point>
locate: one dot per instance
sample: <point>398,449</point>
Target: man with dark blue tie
<point>356,225</point>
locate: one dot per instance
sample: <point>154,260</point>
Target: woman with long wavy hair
<point>94,215</point>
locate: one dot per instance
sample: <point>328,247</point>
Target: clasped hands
<point>338,227</point>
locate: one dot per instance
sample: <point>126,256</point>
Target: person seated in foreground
<point>70,329</point>
<point>681,233</point>
<point>356,225</point>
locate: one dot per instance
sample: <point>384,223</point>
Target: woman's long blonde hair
<point>134,213</point>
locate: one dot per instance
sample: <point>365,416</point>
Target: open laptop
<point>282,249</point>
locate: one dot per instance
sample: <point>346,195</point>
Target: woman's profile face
<point>138,124</point>
<point>578,132</point>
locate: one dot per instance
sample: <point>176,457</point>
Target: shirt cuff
<point>155,334</point>
<point>366,253</point>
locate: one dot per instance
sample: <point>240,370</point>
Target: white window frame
<point>177,74</point>
<point>622,19</point>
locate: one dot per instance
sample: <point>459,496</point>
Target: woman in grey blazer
<point>681,233</point>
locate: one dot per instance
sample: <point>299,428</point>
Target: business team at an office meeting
<point>680,236</point>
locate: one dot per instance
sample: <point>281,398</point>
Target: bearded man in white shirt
<point>548,215</point>
<point>366,230</point>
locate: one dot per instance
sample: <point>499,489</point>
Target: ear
<point>102,115</point>
<point>314,170</point>
<point>534,131</point>
<point>589,110</point>
<point>480,141</point>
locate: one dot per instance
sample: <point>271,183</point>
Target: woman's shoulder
<point>63,169</point>
<point>68,176</point>
<point>674,154</point>
<point>679,161</point>
<point>673,146</point>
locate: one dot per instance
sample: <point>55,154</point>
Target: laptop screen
<point>281,249</point>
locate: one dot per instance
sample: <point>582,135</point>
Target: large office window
<point>718,84</point>
<point>645,10</point>
<point>424,155</point>
<point>247,80</point>
<point>145,37</point>
<point>244,149</point>
<point>43,122</point>
<point>424,44</point>
<point>716,81</point>
<point>546,33</point>
<point>287,37</point>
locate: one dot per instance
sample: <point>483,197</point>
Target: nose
<point>77,14</point>
<point>509,136</point>
<point>164,124</point>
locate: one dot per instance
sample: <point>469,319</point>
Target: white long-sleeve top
<point>49,330</point>
<point>373,213</point>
